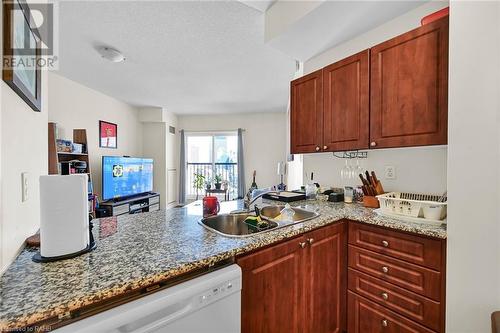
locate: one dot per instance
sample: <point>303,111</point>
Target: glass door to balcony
<point>214,156</point>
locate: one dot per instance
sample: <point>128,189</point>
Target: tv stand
<point>146,202</point>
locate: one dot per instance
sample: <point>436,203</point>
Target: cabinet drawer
<point>365,316</point>
<point>406,303</point>
<point>408,276</point>
<point>415,249</point>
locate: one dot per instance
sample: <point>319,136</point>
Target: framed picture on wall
<point>108,136</point>
<point>22,53</point>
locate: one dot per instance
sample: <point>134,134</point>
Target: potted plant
<point>218,181</point>
<point>198,183</point>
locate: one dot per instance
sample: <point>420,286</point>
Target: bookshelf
<point>55,157</point>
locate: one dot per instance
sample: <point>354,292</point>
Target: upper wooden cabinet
<point>346,103</point>
<point>409,88</point>
<point>306,113</point>
<point>393,95</point>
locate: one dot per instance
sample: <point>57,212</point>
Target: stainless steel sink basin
<point>301,215</point>
<point>233,225</point>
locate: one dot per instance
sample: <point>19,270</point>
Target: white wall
<point>420,170</point>
<point>23,149</point>
<point>412,173</point>
<point>72,105</point>
<point>155,147</point>
<point>263,140</point>
<point>163,147</point>
<point>473,271</point>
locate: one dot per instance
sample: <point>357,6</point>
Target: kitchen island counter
<point>139,251</point>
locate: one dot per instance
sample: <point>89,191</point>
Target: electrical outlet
<point>24,187</point>
<point>390,172</point>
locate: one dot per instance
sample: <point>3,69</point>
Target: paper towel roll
<point>64,220</point>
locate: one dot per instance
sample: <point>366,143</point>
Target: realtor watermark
<point>31,35</point>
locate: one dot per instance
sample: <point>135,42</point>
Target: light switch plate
<point>24,187</point>
<point>390,172</point>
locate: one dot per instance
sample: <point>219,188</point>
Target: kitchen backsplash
<point>419,169</point>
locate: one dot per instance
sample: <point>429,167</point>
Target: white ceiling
<point>189,57</point>
<point>337,21</point>
<point>260,5</point>
<point>202,57</point>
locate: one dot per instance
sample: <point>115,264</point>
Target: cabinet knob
<point>385,269</point>
<point>384,323</point>
<point>373,144</point>
<point>310,241</point>
<point>385,243</point>
<point>385,296</point>
<point>325,147</point>
<point>302,244</point>
<point>317,148</point>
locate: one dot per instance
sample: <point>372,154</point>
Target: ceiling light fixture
<point>111,54</point>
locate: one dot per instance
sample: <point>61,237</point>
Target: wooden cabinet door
<point>326,279</point>
<point>346,103</point>
<point>272,294</point>
<point>306,111</point>
<point>409,88</point>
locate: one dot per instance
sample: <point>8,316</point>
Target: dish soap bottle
<point>287,213</point>
<point>311,189</point>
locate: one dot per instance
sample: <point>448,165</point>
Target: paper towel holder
<point>37,257</point>
<point>65,222</point>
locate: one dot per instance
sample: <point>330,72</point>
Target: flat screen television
<point>126,176</point>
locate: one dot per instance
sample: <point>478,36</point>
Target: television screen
<point>126,176</point>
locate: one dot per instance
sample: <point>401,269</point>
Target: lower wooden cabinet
<point>382,281</point>
<point>272,295</point>
<point>366,316</point>
<point>396,281</point>
<point>298,285</point>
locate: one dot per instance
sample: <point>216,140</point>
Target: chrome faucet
<point>249,201</point>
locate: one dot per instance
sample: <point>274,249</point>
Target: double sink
<point>234,225</point>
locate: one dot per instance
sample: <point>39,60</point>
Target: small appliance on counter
<point>65,229</point>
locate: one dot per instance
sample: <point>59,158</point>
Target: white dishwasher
<point>208,303</point>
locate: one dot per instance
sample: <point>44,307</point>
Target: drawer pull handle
<point>310,241</point>
<point>385,243</point>
<point>385,323</point>
<point>302,244</point>
<point>385,296</point>
<point>385,269</point>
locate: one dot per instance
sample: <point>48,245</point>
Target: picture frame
<point>22,44</point>
<point>108,134</point>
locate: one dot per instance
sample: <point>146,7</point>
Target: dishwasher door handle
<point>159,318</point>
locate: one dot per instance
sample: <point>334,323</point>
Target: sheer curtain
<point>241,166</point>
<point>182,170</point>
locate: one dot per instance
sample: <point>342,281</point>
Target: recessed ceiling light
<point>111,54</point>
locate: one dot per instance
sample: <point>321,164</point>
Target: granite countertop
<point>135,251</point>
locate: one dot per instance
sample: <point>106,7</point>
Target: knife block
<point>370,202</point>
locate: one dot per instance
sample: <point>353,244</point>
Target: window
<point>211,154</point>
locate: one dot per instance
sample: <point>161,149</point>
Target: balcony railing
<point>227,171</point>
